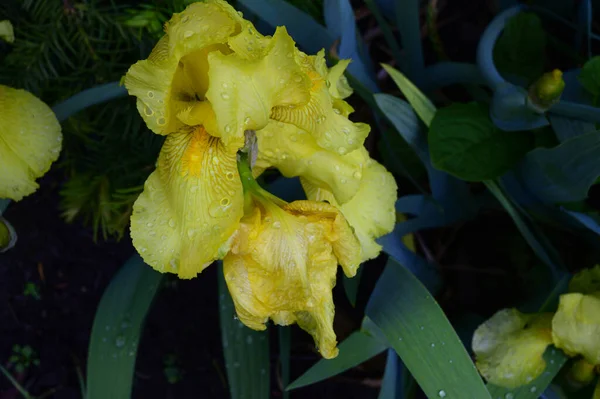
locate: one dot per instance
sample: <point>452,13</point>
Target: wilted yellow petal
<point>509,347</point>
<point>175,75</point>
<point>370,211</point>
<point>191,204</point>
<point>243,92</point>
<point>576,326</point>
<point>326,123</point>
<point>282,265</point>
<point>30,140</point>
<point>6,31</point>
<point>296,153</point>
<point>586,281</point>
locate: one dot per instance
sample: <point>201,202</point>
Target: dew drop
<point>148,111</point>
<point>342,150</point>
<point>171,222</point>
<point>289,55</point>
<point>193,189</point>
<point>247,120</point>
<point>149,224</point>
<point>320,119</point>
<point>293,138</point>
<point>150,94</point>
<point>215,160</point>
<point>224,96</point>
<point>337,111</point>
<point>422,327</point>
<point>225,85</point>
<point>350,141</point>
<point>120,341</point>
<point>433,345</point>
<point>188,33</point>
<point>276,224</point>
<point>509,396</point>
<point>229,175</point>
<point>227,129</point>
<point>357,175</point>
<point>297,78</point>
<point>442,393</point>
<point>532,389</point>
<point>225,202</point>
<point>281,81</point>
<point>249,339</point>
<point>343,181</point>
<point>161,121</point>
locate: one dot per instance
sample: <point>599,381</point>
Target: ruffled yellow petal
<point>191,204</point>
<point>370,211</point>
<point>30,140</point>
<point>282,265</point>
<point>175,75</point>
<point>339,87</point>
<point>509,347</point>
<point>586,281</point>
<point>6,31</point>
<point>296,153</point>
<point>243,92</point>
<point>326,123</point>
<point>576,326</point>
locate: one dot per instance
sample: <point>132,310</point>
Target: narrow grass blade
<point>117,329</point>
<point>408,23</point>
<point>356,349</point>
<point>420,333</point>
<point>246,351</point>
<point>87,98</point>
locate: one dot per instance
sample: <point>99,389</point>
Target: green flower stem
<point>15,383</point>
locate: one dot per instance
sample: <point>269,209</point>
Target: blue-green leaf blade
<point>246,351</point>
<point>355,349</point>
<point>117,329</point>
<point>87,98</point>
<point>564,173</point>
<point>420,333</point>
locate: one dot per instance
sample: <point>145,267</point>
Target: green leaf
<point>117,329</point>
<point>420,333</point>
<point>87,98</point>
<point>356,349</point>
<point>351,286</point>
<point>423,107</point>
<point>246,351</point>
<point>284,357</point>
<point>389,385</point>
<point>564,173</point>
<point>520,50</point>
<point>590,76</point>
<point>465,143</point>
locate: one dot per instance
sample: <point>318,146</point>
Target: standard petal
<point>243,92</point>
<point>509,347</point>
<point>296,153</point>
<point>175,75</point>
<point>586,281</point>
<point>326,123</point>
<point>191,204</point>
<point>30,140</point>
<point>370,211</point>
<point>339,87</point>
<point>576,326</point>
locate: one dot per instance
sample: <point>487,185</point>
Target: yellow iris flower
<point>30,140</point>
<point>214,86</point>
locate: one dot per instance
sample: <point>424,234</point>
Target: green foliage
<point>22,358</point>
<point>32,290</point>
<point>173,373</point>
<point>521,50</point>
<point>590,77</point>
<point>465,143</point>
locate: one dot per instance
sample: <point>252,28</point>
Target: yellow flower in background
<point>509,347</point>
<point>283,262</point>
<point>30,140</point>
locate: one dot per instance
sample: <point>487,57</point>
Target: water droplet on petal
<point>227,129</point>
<point>188,33</point>
<point>247,120</point>
<point>442,393</point>
<point>148,111</point>
<point>171,222</point>
<point>161,121</point>
<point>337,111</point>
<point>225,96</point>
<point>342,150</point>
<point>150,94</point>
<point>357,175</point>
<point>276,224</point>
<point>225,85</point>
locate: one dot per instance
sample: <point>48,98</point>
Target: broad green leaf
<point>117,329</point>
<point>420,333</point>
<point>590,76</point>
<point>520,50</point>
<point>307,32</point>
<point>389,385</point>
<point>246,351</point>
<point>87,98</point>
<point>465,143</point>
<point>408,24</point>
<point>421,104</point>
<point>564,173</point>
<point>355,349</point>
<point>351,286</point>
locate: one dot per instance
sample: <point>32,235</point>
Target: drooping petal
<point>576,326</point>
<point>30,140</point>
<point>296,153</point>
<point>282,265</point>
<point>326,123</point>
<point>243,92</point>
<point>509,347</point>
<point>175,75</point>
<point>586,281</point>
<point>370,211</point>
<point>191,204</point>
